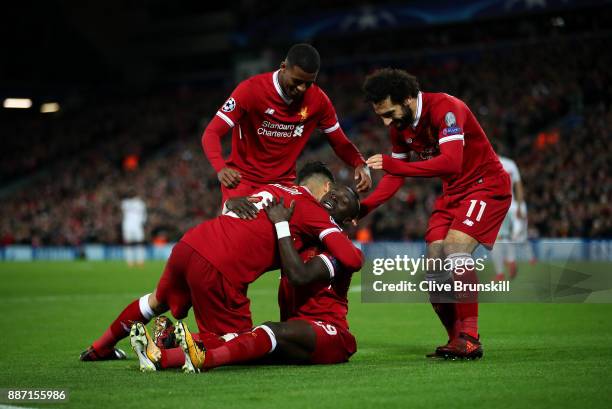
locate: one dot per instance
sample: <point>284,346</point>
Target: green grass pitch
<point>536,356</point>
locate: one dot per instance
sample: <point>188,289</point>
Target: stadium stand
<point>544,95</point>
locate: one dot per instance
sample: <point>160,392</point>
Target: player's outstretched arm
<point>298,272</point>
<point>385,190</point>
<point>348,152</point>
<point>448,162</point>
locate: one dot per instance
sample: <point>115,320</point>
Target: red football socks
<point>172,358</point>
<point>120,327</point>
<point>466,306</point>
<point>208,339</point>
<point>245,347</point>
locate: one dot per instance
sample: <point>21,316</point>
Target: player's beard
<point>406,119</point>
<point>298,96</point>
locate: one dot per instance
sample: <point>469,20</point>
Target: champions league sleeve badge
<point>450,119</point>
<point>230,104</point>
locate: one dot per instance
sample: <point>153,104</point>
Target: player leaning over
<point>442,134</point>
<point>272,115</point>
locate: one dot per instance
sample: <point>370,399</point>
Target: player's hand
<point>230,178</point>
<point>277,212</point>
<point>363,178</point>
<point>243,206</point>
<point>375,162</point>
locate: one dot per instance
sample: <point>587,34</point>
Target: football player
<point>436,135</point>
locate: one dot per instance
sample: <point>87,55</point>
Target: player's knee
<point>435,250</point>
<point>274,326</point>
<point>277,329</point>
<point>451,247</point>
<point>435,261</point>
<point>179,312</point>
<point>157,306</point>
<point>458,242</point>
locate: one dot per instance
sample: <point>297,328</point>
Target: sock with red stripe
<point>245,347</point>
<point>137,310</point>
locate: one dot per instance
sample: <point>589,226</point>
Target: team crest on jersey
<point>229,105</point>
<point>450,119</point>
<point>299,130</point>
<point>303,114</point>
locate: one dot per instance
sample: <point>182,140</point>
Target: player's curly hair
<point>314,168</point>
<point>304,56</point>
<point>390,82</point>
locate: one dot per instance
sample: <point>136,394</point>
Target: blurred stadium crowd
<point>544,102</point>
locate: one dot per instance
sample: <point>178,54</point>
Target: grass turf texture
<point>536,356</point>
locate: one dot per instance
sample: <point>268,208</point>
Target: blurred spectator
<point>134,212</point>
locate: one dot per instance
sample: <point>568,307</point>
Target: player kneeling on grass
<point>314,305</point>
<point>212,265</point>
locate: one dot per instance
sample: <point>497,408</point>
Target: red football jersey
<point>270,130</point>
<point>442,118</point>
<point>242,250</point>
<point>320,301</point>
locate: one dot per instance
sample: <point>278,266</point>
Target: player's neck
<point>315,190</point>
<point>413,104</point>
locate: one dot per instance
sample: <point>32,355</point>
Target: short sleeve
<point>329,119</point>
<point>449,117</point>
<point>238,103</point>
<point>313,220</point>
<point>332,264</point>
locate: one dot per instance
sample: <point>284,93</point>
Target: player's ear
<point>283,65</point>
<point>327,186</point>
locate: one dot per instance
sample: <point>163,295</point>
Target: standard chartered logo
<point>279,130</point>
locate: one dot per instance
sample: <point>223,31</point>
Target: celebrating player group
<point>273,218</point>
